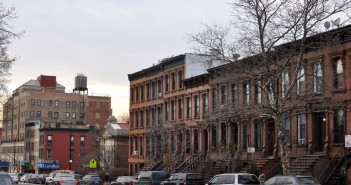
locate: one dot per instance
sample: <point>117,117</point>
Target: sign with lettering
<point>92,163</point>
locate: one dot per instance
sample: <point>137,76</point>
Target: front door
<point>270,137</point>
<point>319,131</point>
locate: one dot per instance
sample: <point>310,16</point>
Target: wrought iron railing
<point>332,165</point>
<point>191,163</point>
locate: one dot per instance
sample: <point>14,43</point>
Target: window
<point>286,124</point>
<point>301,81</point>
<point>173,110</point>
<point>214,99</point>
<point>72,140</point>
<point>153,116</point>
<point>74,115</point>
<point>173,81</point>
<point>234,95</point>
<point>204,105</point>
<point>153,89</point>
<point>147,112</point>
<point>50,103</point>
<point>137,93</point>
<point>317,77</point>
<point>159,113</point>
<point>50,114</point>
<point>167,83</point>
<point>223,135</point>
<point>166,111</point>
<point>82,104</point>
<point>56,103</point>
<point>136,119</point>
<point>68,114</point>
<point>141,146</point>
<point>187,141</point>
<point>56,114</point>
<point>159,85</point>
<point>180,79</point>
<point>180,109</point>
<point>49,139</point>
<point>285,83</point>
<point>258,133</point>
<point>172,142</point>
<point>188,107</point>
<point>39,103</point>
<point>49,154</point>
<point>68,104</point>
<point>131,115</point>
<point>82,140</point>
<point>339,74</point>
<point>197,106</point>
<point>245,135</point>
<point>147,91</point>
<point>223,96</point>
<point>246,93</point>
<point>38,114</point>
<point>141,92</point>
<point>32,102</point>
<point>196,141</point>
<point>214,137</point>
<point>32,113</point>
<point>339,126</point>
<point>130,145</point>
<point>131,94</point>
<point>81,115</point>
<point>301,129</point>
<point>74,104</point>
<point>141,118</point>
<point>258,94</point>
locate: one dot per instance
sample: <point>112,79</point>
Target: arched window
<point>339,75</point>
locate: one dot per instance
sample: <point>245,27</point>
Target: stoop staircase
<point>302,164</point>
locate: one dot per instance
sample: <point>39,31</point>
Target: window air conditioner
<point>135,153</point>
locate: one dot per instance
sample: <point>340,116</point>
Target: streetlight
<point>70,146</point>
<point>14,155</point>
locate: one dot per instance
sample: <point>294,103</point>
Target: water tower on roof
<point>80,84</point>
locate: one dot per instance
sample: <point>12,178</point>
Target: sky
<point>104,39</point>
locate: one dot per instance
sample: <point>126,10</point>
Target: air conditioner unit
<point>135,153</point>
<point>159,94</point>
<point>223,106</point>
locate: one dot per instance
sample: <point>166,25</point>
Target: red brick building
<point>44,101</point>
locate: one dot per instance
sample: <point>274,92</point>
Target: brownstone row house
<point>206,120</point>
<point>41,117</point>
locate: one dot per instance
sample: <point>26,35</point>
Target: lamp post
<point>14,155</point>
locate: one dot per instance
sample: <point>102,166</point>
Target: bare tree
<point>123,118</point>
<point>272,36</point>
<point>6,35</point>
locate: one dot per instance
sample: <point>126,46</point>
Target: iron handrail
<point>328,167</point>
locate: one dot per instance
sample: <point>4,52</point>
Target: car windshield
<point>95,177</point>
<point>5,180</point>
<point>307,180</point>
<point>226,179</point>
<point>12,174</point>
<point>194,177</point>
<point>123,179</point>
<point>248,179</point>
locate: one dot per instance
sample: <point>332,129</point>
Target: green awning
<point>23,163</point>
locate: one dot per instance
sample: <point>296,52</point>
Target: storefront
<point>46,166</point>
<point>4,166</point>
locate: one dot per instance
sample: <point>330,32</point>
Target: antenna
<point>326,25</point>
<point>336,22</point>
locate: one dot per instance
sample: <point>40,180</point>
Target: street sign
<point>250,150</point>
<point>92,163</point>
<point>348,141</point>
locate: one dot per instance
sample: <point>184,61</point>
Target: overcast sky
<point>104,39</point>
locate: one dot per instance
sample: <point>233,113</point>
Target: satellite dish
<point>336,22</point>
<point>326,24</point>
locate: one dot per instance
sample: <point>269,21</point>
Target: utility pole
<point>14,155</point>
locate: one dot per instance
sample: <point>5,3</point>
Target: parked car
<point>151,177</point>
<point>91,179</point>
<point>124,180</point>
<point>32,178</point>
<point>14,177</point>
<point>5,178</point>
<point>234,179</point>
<point>65,179</point>
<point>41,178</point>
<point>24,177</point>
<point>292,179</point>
<point>184,178</point>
